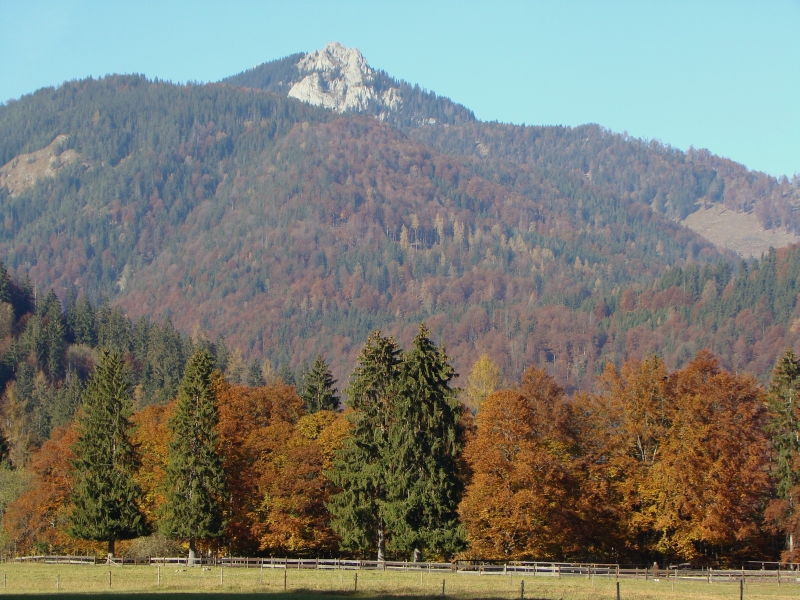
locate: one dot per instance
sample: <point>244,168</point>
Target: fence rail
<point>780,574</point>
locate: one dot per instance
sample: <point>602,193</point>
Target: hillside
<point>293,230</point>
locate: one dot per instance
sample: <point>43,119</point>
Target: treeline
<point>696,465</point>
<point>48,350</point>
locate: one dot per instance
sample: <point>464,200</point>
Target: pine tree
<point>360,467</point>
<point>784,425</point>
<point>286,375</point>
<point>319,391</point>
<point>5,284</point>
<point>422,481</point>
<point>55,335</point>
<point>5,450</point>
<point>105,494</point>
<point>66,400</point>
<point>195,481</point>
<point>81,322</point>
<point>254,376</point>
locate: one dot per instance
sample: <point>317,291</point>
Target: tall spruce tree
<point>254,376</point>
<point>423,485</point>
<point>195,482</point>
<point>5,284</point>
<point>784,432</point>
<point>105,495</point>
<point>360,466</point>
<point>5,450</point>
<point>319,388</point>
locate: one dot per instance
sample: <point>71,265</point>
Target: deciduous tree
<point>483,379</point>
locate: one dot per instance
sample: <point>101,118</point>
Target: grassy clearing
<point>141,582</point>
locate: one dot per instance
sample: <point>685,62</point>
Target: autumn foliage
<point>652,465</point>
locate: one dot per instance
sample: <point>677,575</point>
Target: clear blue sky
<point>718,75</point>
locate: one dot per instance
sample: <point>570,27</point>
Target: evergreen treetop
<point>784,422</point>
<point>360,467</point>
<point>105,497</point>
<point>424,489</point>
<point>319,391</point>
<point>254,376</point>
<point>195,482</point>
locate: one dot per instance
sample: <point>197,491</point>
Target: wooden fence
<point>768,572</point>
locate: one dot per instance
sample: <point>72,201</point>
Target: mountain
<point>296,226</point>
<point>339,79</point>
<point>748,214</point>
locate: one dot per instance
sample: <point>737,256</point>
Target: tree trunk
<point>417,555</point>
<point>381,542</point>
<point>110,550</point>
<point>192,551</point>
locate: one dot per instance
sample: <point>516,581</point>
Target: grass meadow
<point>181,582</point>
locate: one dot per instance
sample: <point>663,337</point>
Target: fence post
<point>618,598</point>
<point>158,576</point>
<point>741,589</point>
<point>285,569</point>
<point>522,590</point>
<point>355,581</point>
<point>443,588</point>
<point>221,574</point>
<point>109,579</point>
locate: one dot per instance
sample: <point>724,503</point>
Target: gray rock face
<point>339,79</point>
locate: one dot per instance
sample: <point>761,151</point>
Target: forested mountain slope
<point>293,230</point>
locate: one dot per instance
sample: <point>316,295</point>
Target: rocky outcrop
<point>25,170</point>
<point>339,79</point>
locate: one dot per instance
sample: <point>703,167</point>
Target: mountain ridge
<point>294,230</point>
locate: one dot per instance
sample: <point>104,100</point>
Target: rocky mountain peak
<point>340,79</point>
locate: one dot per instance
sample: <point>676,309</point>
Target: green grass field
<point>142,582</point>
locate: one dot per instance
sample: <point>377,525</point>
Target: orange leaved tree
<point>38,520</point>
<point>520,501</point>
<point>705,493</point>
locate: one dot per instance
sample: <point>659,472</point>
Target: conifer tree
<point>81,321</point>
<point>105,494</point>
<point>195,482</point>
<point>360,466</point>
<point>783,429</point>
<point>5,284</point>
<point>319,391</point>
<point>5,450</point>
<point>423,485</point>
<point>286,375</point>
<point>254,376</point>
<point>55,334</point>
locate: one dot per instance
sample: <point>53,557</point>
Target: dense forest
<point>219,258</point>
<point>237,212</point>
<point>696,465</point>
